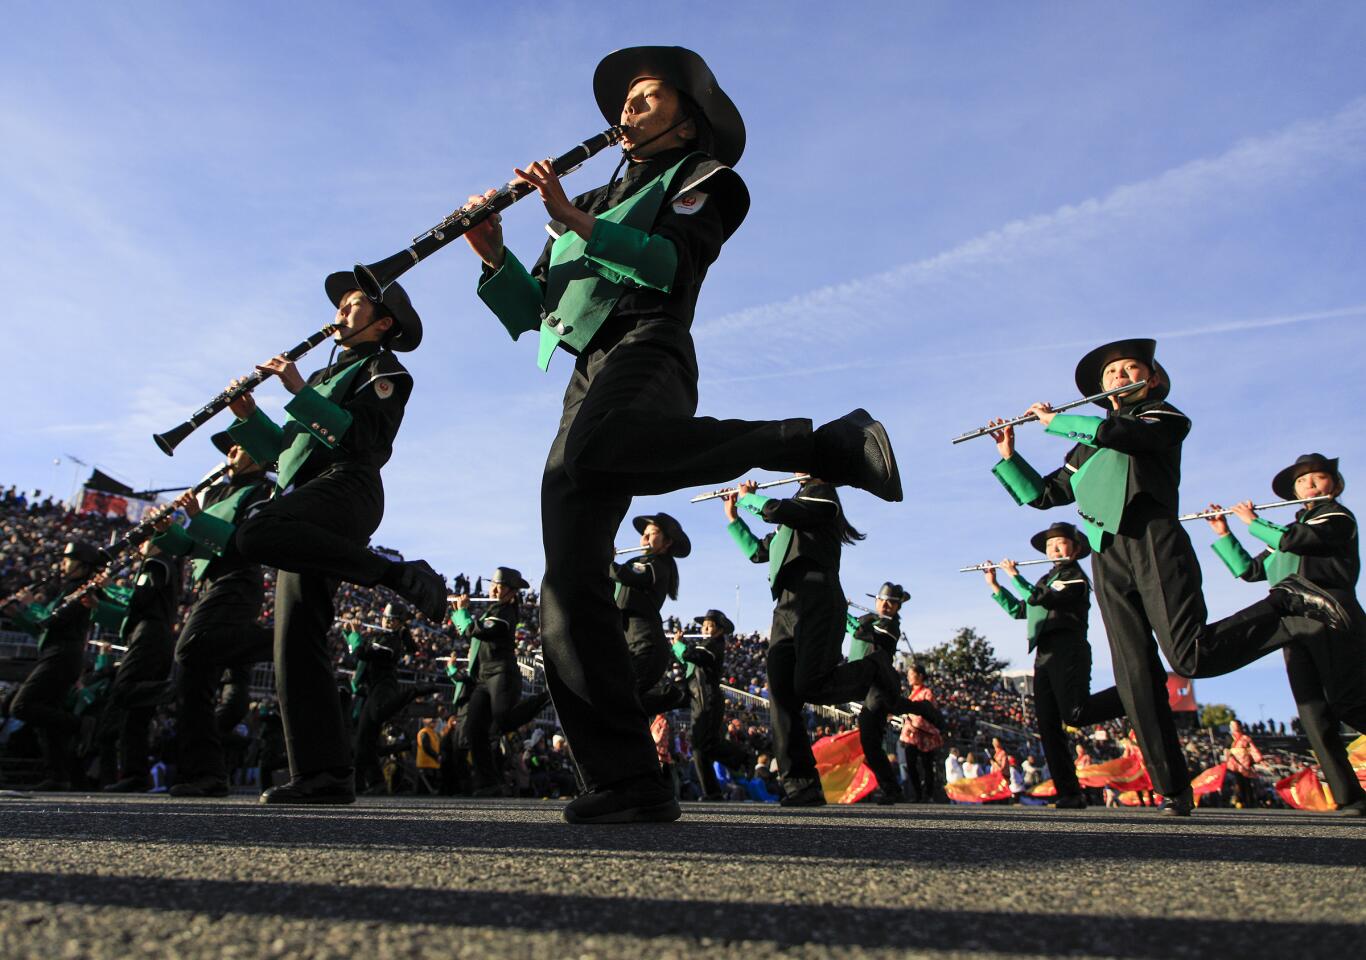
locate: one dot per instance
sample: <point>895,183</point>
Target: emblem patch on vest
<point>639,567</point>
<point>690,202</point>
<point>384,388</point>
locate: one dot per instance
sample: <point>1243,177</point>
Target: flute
<point>451,597</point>
<point>1208,514</point>
<point>727,491</point>
<point>995,566</point>
<point>621,551</point>
<point>859,606</point>
<point>1030,417</point>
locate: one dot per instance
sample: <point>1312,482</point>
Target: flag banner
<point>1356,755</point>
<point>1210,781</point>
<point>1303,791</point>
<point>1046,789</point>
<point>1123,773</point>
<point>845,778</point>
<point>979,789</point>
<point>1181,693</point>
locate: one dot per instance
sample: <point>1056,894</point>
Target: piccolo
<point>727,491</point>
<point>374,278</point>
<point>1209,514</point>
<point>994,566</point>
<point>172,438</point>
<point>859,606</point>
<point>1030,417</point>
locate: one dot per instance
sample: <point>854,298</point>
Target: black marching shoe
<point>1179,805</point>
<point>802,793</point>
<point>316,788</point>
<point>421,586</point>
<point>1070,801</point>
<point>1298,597</point>
<point>1357,808</point>
<point>52,785</point>
<point>855,450</point>
<point>129,785</point>
<point>640,800</point>
<point>202,787</point>
<point>885,798</point>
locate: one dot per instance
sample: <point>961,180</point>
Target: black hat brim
<point>1040,540</point>
<point>681,546</point>
<point>680,68</point>
<point>716,616</point>
<point>222,442</point>
<point>1284,481</point>
<point>396,301</point>
<point>1092,366</point>
<point>509,577</point>
<point>900,595</point>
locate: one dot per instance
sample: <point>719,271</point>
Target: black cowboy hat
<point>1091,366</point>
<point>890,591</point>
<point>1284,482</point>
<point>509,577</point>
<point>222,442</point>
<point>682,69</point>
<point>86,553</point>
<point>397,611</point>
<point>718,618</point>
<point>395,303</point>
<point>682,546</point>
<point>1040,540</point>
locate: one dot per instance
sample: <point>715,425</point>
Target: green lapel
<point>1279,564</point>
<point>226,510</point>
<point>680,648</point>
<point>469,670</point>
<point>298,441</point>
<point>778,549</point>
<point>579,293</point>
<point>1101,487</point>
<point>1036,615</point>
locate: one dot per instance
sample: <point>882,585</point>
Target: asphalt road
<point>149,876</point>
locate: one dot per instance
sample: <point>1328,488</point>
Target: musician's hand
<point>461,602</point>
<point>1011,568</point>
<point>163,523</point>
<point>24,597</point>
<point>989,575</point>
<point>747,487</point>
<point>284,368</point>
<point>242,406</point>
<point>1005,439</point>
<point>486,239</point>
<point>543,177</point>
<point>1219,525</point>
<point>1044,411</point>
<point>188,502</point>
<point>1244,512</point>
<point>728,503</point>
<point>89,600</point>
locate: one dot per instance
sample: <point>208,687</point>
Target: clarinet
<point>373,279</point>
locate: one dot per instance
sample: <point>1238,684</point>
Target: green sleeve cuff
<point>850,623</point>
<point>1267,532</point>
<point>32,618</point>
<point>1008,602</point>
<point>452,670</point>
<point>103,661</point>
<point>514,296</point>
<point>213,533</point>
<point>754,503</point>
<point>1232,553</point>
<point>462,620</point>
<point>649,260</point>
<point>744,538</point>
<point>109,613</point>
<point>174,541</point>
<point>1024,584</point>
<point>260,436</point>
<point>319,416</point>
<point>1021,480</point>
<point>353,640</point>
<point>1075,426</point>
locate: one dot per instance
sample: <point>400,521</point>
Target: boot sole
<point>656,813</point>
<point>890,488</point>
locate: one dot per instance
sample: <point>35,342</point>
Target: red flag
<point>1303,791</point>
<point>1046,789</point>
<point>1210,781</point>
<point>979,789</point>
<point>845,778</point>
<point>1180,693</point>
<point>1123,773</point>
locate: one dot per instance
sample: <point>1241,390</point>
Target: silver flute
<point>996,566</point>
<point>1030,417</point>
<point>727,491</point>
<point>622,551</point>
<point>1208,514</point>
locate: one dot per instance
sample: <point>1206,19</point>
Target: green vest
<point>1101,487</point>
<point>777,552</point>
<point>225,510</point>
<point>300,445</point>
<point>469,669</point>
<point>579,293</point>
<point>1280,564</point>
<point>1035,615</point>
<point>689,668</point>
<point>858,649</point>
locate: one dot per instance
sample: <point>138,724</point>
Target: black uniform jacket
<point>375,399</point>
<point>709,656</point>
<point>1152,434</point>
<point>645,584</point>
<point>156,593</point>
<point>1065,593</point>
<point>1325,535</point>
<point>882,632</point>
<point>64,637</point>
<point>814,515</point>
<point>697,236</point>
<point>382,655</point>
<point>497,633</point>
<point>231,573</point>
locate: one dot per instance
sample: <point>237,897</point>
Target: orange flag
<point>1303,791</point>
<point>1356,754</point>
<point>979,789</point>
<point>1123,773</point>
<point>845,778</point>
<point>1046,789</point>
<point>1210,781</point>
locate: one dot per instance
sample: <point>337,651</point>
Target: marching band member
<point>1327,668</point>
<point>708,705</point>
<point>642,586</point>
<point>1056,611</point>
<point>1123,472</point>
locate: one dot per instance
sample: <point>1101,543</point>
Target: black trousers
<point>222,632</point>
<point>922,770</point>
<point>804,665</point>
<point>878,706</point>
<point>627,429</point>
<point>1062,697</point>
<point>382,701</point>
<point>132,700</point>
<point>651,656</point>
<point>40,703</point>
<point>490,705</point>
<point>709,742</point>
<point>1148,583</point>
<point>1327,671</point>
<point>315,536</point>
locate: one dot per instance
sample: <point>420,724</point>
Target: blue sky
<point>951,203</point>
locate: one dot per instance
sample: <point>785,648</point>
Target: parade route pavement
<point>89,876</point>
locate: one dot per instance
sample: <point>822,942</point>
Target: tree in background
<point>1217,715</point>
<point>969,655</point>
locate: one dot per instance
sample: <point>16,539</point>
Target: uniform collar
<point>359,351</point>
